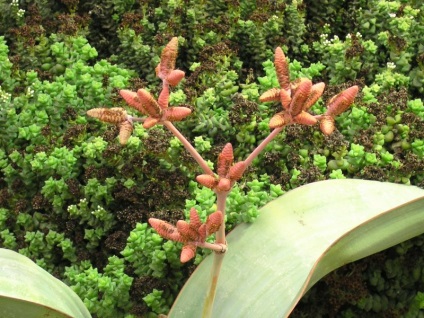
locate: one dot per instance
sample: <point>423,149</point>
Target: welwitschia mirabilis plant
<point>296,98</point>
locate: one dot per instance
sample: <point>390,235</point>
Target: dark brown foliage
<point>5,196</point>
<point>132,20</point>
<point>397,43</point>
<point>140,288</point>
<point>158,141</point>
<point>72,133</point>
<point>74,188</point>
<point>125,195</point>
<point>373,173</point>
<point>242,110</point>
<point>110,133</point>
<point>100,173</point>
<point>356,48</point>
<point>71,24</point>
<point>308,175</point>
<point>116,241</point>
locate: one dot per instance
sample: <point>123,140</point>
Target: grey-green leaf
<point>299,238</point>
<point>27,290</point>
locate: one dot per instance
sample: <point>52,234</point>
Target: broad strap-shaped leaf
<point>299,238</point>
<point>27,290</point>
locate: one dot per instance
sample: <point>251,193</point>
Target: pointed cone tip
<point>175,77</point>
<point>187,253</point>
<point>176,113</point>
<point>207,180</point>
<point>227,151</point>
<point>125,131</point>
<point>271,95</point>
<point>327,125</point>
<point>300,97</point>
<point>214,221</point>
<point>223,185</point>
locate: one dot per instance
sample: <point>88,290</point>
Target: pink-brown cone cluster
<point>227,172</point>
<point>191,234</point>
<point>299,96</point>
<point>156,110</point>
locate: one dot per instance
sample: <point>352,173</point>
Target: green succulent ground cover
<point>76,202</point>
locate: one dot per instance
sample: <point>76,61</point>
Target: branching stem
<point>220,245</point>
<point>196,156</point>
<point>262,145</point>
<point>219,248</point>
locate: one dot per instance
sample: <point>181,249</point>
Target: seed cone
<point>195,221</point>
<point>223,185</point>
<point>175,77</point>
<point>168,58</point>
<point>186,231</point>
<point>165,229</point>
<point>132,99</point>
<point>207,180</point>
<point>177,113</point>
<point>149,103</point>
<point>315,94</point>
<point>113,115</point>
<point>214,221</point>
<point>300,96</point>
<point>279,120</point>
<point>327,125</point>
<point>339,103</point>
<point>225,160</point>
<point>305,118</point>
<point>236,171</point>
<point>271,95</point>
<point>150,122</point>
<point>282,69</point>
<point>125,131</point>
<point>187,253</point>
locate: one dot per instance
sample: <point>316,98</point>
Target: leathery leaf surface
<point>27,290</point>
<point>299,238</point>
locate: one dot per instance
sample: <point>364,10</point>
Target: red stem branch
<point>196,156</point>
